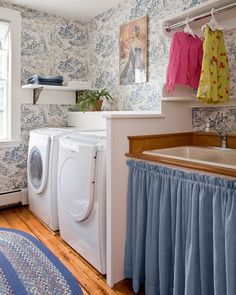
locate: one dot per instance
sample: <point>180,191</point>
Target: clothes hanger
<point>189,30</point>
<point>213,24</point>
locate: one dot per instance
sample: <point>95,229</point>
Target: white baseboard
<point>24,196</point>
<point>14,197</point>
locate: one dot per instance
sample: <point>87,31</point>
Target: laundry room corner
<point>38,56</point>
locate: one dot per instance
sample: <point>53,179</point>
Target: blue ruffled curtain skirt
<point>181,232</point>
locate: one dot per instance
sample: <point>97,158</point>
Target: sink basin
<point>205,155</point>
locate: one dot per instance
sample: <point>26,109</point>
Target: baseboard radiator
<point>14,197</point>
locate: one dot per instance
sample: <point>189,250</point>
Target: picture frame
<point>133,52</point>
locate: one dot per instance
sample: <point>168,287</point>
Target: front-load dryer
<point>82,195</point>
<point>42,174</point>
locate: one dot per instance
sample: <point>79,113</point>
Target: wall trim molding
<point>14,197</point>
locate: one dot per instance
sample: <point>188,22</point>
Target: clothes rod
<point>169,28</point>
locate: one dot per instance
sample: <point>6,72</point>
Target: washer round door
<point>38,167</point>
<point>76,181</point>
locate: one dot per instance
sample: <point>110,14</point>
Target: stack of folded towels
<point>46,80</point>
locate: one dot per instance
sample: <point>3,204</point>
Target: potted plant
<point>91,100</point>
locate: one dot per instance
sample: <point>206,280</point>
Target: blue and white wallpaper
<point>52,45</point>
<point>224,118</point>
<point>90,51</point>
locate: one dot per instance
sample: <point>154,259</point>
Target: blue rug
<point>28,267</point>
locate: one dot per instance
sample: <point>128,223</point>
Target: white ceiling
<point>77,9</point>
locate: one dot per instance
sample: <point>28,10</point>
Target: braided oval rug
<point>28,267</point>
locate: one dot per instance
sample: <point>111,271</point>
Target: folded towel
<point>46,77</point>
<point>46,80</point>
<point>46,83</point>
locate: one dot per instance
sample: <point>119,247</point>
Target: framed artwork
<point>133,52</point>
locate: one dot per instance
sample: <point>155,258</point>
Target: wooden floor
<point>91,281</point>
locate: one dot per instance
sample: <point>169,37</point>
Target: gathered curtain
<point>181,232</point>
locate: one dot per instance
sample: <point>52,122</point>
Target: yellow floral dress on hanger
<point>214,79</point>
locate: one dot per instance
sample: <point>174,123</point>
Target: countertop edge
<point>131,115</point>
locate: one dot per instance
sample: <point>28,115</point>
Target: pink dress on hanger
<point>185,61</point>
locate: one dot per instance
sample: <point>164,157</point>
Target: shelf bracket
<point>37,92</point>
<point>77,94</point>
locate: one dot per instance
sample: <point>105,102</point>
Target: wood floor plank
<point>3,222</point>
<point>125,287</point>
<point>91,281</point>
<point>14,221</point>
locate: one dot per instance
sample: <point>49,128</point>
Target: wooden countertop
<point>138,144</point>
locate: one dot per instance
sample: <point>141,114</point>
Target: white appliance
<point>42,174</point>
<point>82,195</point>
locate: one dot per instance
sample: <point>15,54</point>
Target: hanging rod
<point>169,28</point>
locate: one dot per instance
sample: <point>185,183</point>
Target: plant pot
<point>86,120</point>
<point>97,107</point>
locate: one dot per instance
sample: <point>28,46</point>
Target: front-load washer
<point>42,174</point>
<point>82,195</point>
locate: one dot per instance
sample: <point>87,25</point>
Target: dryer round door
<point>37,169</point>
<point>76,184</point>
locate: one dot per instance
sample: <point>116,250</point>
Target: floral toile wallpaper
<point>52,45</point>
<point>89,51</point>
<point>224,118</point>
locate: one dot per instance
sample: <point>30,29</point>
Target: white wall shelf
<point>38,88</point>
<point>193,102</point>
<point>178,99</point>
<point>55,88</point>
